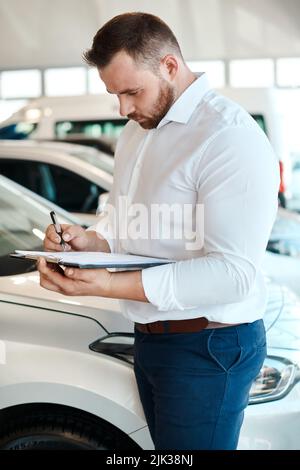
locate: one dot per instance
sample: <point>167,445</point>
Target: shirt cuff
<point>158,285</point>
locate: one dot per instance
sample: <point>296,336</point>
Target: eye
<point>131,93</point>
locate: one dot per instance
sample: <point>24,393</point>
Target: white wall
<point>40,33</point>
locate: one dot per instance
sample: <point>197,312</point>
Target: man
<point>199,335</point>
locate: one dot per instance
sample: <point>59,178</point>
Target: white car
<point>66,375</point>
<point>52,379</point>
<point>50,117</point>
<point>69,175</point>
<point>272,418</point>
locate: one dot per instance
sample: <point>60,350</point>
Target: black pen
<point>57,228</point>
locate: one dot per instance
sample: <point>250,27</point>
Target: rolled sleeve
<point>159,288</point>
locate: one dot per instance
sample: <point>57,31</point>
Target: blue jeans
<point>194,387</point>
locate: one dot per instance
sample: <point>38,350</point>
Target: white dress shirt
<point>206,150</point>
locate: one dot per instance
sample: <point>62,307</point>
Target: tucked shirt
<point>206,152</point>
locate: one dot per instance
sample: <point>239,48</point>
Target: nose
<point>126,106</point>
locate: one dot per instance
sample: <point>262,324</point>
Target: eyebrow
<point>123,92</point>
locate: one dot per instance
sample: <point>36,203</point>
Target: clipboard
<point>93,260</point>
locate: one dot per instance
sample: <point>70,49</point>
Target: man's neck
<point>185,81</point>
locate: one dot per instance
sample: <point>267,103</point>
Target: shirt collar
<point>187,102</point>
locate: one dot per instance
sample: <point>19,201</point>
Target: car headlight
<point>275,380</point>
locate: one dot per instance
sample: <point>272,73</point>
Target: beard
<point>165,99</point>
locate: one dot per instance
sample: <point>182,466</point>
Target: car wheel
<point>55,431</point>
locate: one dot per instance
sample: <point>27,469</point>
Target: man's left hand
<point>74,281</point>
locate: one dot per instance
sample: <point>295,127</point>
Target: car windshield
<point>17,131</point>
<point>23,220</point>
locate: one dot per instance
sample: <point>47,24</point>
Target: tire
<point>57,430</point>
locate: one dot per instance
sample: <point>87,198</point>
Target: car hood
<point>25,289</point>
<point>282,315</point>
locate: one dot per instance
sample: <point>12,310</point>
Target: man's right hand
<point>75,238</point>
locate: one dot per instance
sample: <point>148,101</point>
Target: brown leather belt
<point>191,325</point>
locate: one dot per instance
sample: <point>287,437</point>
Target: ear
<point>169,67</point>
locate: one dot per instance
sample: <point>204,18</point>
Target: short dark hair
<point>142,36</point>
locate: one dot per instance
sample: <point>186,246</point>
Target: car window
<point>111,128</point>
<point>260,119</point>
<point>67,189</point>
<point>22,172</point>
<point>73,192</point>
<point>22,225</point>
<point>24,218</point>
<point>33,175</point>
